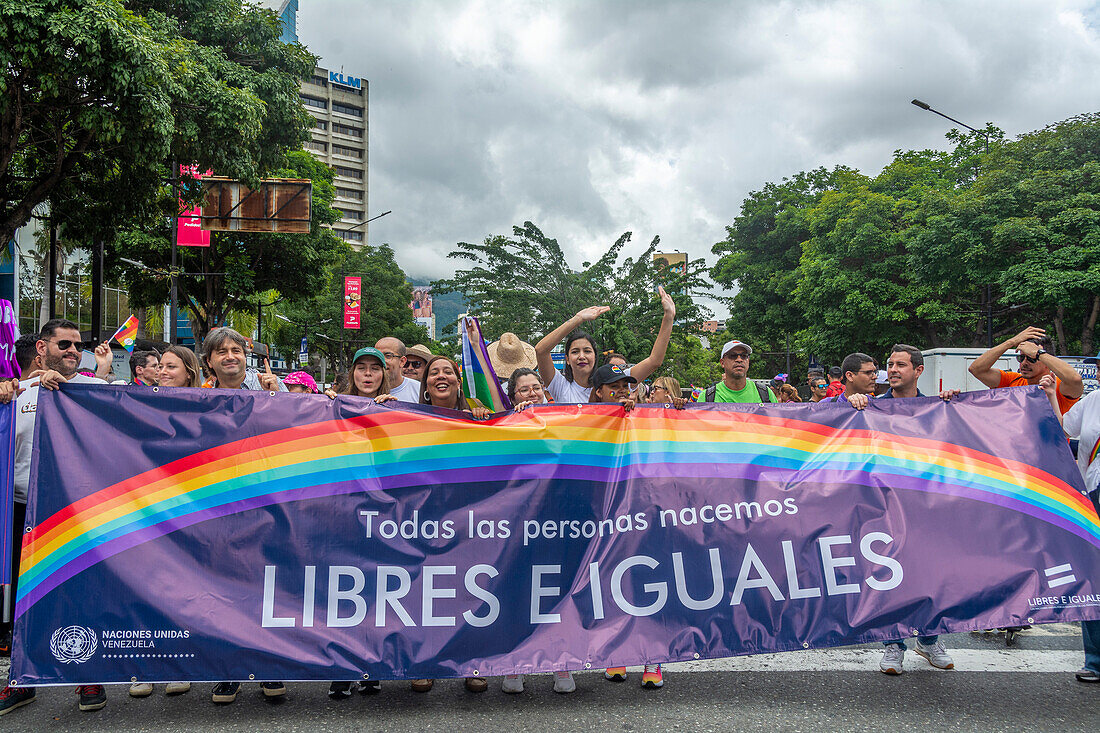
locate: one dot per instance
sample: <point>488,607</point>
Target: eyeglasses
<point>734,356</point>
<point>388,355</point>
<point>1021,358</point>
<point>820,385</point>
<point>869,372</point>
<point>65,344</point>
<point>410,363</point>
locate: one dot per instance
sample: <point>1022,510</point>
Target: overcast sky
<point>594,118</point>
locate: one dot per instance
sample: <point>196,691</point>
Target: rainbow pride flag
<point>480,384</point>
<point>126,334</point>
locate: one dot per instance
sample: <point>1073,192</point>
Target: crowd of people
<point>390,373</point>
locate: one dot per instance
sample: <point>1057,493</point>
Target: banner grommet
<point>366,676</point>
<point>251,676</point>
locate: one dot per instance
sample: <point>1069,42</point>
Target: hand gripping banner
<point>180,534</point>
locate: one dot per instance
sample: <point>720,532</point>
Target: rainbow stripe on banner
<point>391,449</point>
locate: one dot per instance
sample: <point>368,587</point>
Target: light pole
<point>988,296</point>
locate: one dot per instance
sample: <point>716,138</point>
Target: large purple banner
<point>231,535</point>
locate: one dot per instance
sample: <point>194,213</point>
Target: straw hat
<point>510,354</point>
<point>420,351</point>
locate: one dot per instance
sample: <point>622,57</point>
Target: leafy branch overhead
<point>524,284</point>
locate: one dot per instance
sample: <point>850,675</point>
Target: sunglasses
<point>65,344</point>
<point>819,385</point>
<point>1020,359</point>
<point>414,364</point>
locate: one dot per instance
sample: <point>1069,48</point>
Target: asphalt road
<point>1027,687</point>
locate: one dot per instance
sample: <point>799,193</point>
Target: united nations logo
<point>73,644</point>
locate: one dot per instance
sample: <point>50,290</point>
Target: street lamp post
<point>988,296</point>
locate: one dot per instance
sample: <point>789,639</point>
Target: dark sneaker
<point>225,692</point>
<point>1083,675</point>
<point>273,689</point>
<point>369,687</point>
<point>15,697</point>
<point>339,690</point>
<point>92,697</point>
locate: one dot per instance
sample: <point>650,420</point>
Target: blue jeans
<point>1090,633</point>
<point>925,640</point>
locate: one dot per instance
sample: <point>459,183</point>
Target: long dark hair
<point>577,336</point>
<point>460,401</point>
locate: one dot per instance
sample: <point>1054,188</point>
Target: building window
<point>348,214</point>
<point>347,130</point>
<point>314,145</point>
<point>314,102</point>
<point>318,80</point>
<point>355,236</point>
<point>349,193</point>
<point>346,110</point>
<point>344,150</point>
<point>348,172</point>
<point>319,124</point>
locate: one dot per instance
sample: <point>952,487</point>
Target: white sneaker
<point>177,688</point>
<point>892,659</point>
<point>512,684</point>
<point>936,654</point>
<point>141,689</point>
<point>563,683</point>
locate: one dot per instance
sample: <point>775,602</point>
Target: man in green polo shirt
<point>735,385</point>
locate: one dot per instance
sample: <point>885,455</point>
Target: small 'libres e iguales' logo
<point>73,644</point>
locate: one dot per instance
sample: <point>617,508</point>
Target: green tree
<point>98,96</point>
<point>386,294</point>
<point>524,284</point>
<point>760,257</point>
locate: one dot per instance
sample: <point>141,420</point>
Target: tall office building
<point>338,104</point>
<point>287,10</point>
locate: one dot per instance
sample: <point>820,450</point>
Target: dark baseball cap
<point>609,373</point>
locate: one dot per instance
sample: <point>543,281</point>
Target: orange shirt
<point>1012,379</point>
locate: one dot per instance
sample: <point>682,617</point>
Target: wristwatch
<point>1040,352</point>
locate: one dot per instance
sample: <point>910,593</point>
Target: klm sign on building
<point>352,82</point>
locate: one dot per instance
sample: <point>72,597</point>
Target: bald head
<point>394,351</point>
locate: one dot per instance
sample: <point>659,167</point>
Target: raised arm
<point>648,365</point>
<point>1072,386</point>
<point>983,368</point>
<point>555,337</point>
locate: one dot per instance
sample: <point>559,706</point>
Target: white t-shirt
<point>26,406</point>
<point>566,392</point>
<point>1082,421</point>
<point>407,391</point>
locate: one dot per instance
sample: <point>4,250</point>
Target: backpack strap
<point>763,392</point>
<point>711,394</point>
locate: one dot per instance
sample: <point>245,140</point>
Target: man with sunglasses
<point>416,362</point>
<point>1035,362</point>
<point>58,348</point>
<point>735,385</point>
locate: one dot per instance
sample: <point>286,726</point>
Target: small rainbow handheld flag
<point>127,333</point>
<point>696,394</point>
<point>480,385</point>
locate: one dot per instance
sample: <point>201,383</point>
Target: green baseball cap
<point>370,351</point>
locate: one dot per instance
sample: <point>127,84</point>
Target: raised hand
<point>592,312</point>
<point>268,380</point>
<point>1028,333</point>
<point>668,305</point>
